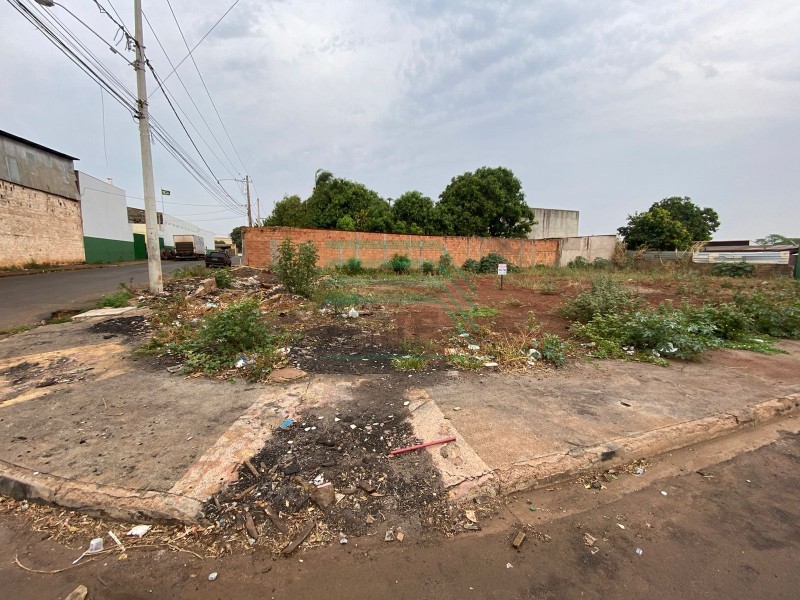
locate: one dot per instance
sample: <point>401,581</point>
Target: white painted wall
<point>104,209</point>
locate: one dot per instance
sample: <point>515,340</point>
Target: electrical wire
<point>191,99</point>
<point>198,43</point>
<point>205,87</point>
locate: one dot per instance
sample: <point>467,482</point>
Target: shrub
<point>736,269</point>
<point>578,263</point>
<point>190,272</point>
<point>224,278</point>
<point>489,263</point>
<point>471,266</point>
<point>602,263</point>
<point>352,266</point>
<point>446,266</point>
<point>605,297</point>
<point>781,320</point>
<point>554,349</point>
<point>118,299</point>
<point>400,263</point>
<point>225,336</point>
<point>296,267</point>
<point>428,268</point>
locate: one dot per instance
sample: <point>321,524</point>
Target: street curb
<point>119,503</point>
<point>557,468</point>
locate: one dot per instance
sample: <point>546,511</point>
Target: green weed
<point>296,267</point>
<point>118,299</point>
<point>190,272</point>
<point>223,278</point>
<point>409,363</point>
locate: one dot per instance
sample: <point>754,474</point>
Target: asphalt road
<point>27,299</point>
<point>707,525</point>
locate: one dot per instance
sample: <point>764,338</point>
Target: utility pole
<point>150,211</point>
<point>249,208</point>
<point>258,209</point>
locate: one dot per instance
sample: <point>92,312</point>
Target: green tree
<point>334,198</point>
<point>488,203</point>
<point>655,229</point>
<point>236,236</point>
<point>289,212</point>
<point>776,239</point>
<point>415,211</point>
<point>670,224</point>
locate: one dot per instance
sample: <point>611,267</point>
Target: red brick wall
<point>374,249</point>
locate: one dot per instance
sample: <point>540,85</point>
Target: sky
<point>601,106</point>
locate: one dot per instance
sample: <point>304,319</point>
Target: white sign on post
<point>502,269</point>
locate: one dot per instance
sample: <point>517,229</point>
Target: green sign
<point>164,192</point>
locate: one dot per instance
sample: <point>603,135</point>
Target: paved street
<point>26,299</point>
<point>728,531</point>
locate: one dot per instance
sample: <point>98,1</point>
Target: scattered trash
<point>292,546</point>
<point>509,566</point>
<point>470,514</point>
<point>456,408</point>
<point>620,525</point>
<point>79,593</point>
<point>243,362</point>
<point>389,536</point>
<point>286,424</point>
<point>520,537</point>
<point>534,354</point>
<point>663,493</point>
<point>398,534</point>
<point>116,540</point>
<point>464,335</point>
<point>213,576</point>
<point>639,551</point>
<point>369,519</point>
<point>596,485</point>
<point>95,546</point>
<point>747,480</point>
<point>353,314</point>
<point>473,347</point>
<point>532,508</point>
<point>589,539</point>
<point>425,445</point>
<point>210,305</point>
<point>406,403</point>
<point>139,530</point>
<point>490,364</point>
<point>174,369</point>
<point>625,404</point>
<point>319,479</point>
<point>250,526</point>
<point>638,471</point>
<point>594,550</point>
<point>342,538</point>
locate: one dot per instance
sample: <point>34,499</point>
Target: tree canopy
<point>670,224</point>
<point>776,239</point>
<point>488,202</point>
<point>236,236</point>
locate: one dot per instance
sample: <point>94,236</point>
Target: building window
<point>13,169</point>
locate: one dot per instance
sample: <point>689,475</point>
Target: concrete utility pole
<point>249,207</point>
<point>150,211</point>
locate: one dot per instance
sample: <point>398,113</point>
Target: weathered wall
<point>35,168</point>
<point>106,233</point>
<point>374,249</point>
<point>554,223</point>
<point>587,246</point>
<point>37,226</point>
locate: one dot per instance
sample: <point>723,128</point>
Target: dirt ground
<point>718,520</point>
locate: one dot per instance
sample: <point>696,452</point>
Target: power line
<point>225,129</point>
<point>197,108</point>
<point>198,43</point>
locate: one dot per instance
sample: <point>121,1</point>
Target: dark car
<point>218,259</point>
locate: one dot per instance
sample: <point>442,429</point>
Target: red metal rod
<point>426,444</point>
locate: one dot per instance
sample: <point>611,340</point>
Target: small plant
<point>553,349</point>
<point>224,278</point>
<point>578,263</point>
<point>446,266</point>
<point>400,264</point>
<point>352,266</point>
<point>733,269</point>
<point>428,268</point>
<point>225,336</point>
<point>296,267</point>
<point>478,312</point>
<point>409,363</point>
<point>191,272</point>
<point>462,361</point>
<point>118,299</point>
<point>471,266</point>
<point>605,297</point>
<point>547,287</point>
<point>602,263</point>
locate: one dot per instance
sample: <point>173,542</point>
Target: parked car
<point>218,259</point>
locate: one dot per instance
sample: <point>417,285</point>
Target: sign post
<point>502,270</point>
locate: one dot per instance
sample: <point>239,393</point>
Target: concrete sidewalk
<point>84,425</point>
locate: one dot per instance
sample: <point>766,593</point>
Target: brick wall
<point>374,249</point>
<point>38,226</point>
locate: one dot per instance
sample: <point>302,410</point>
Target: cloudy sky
<point>602,106</point>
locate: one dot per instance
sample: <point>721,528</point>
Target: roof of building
<point>16,138</point>
<point>745,246</point>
